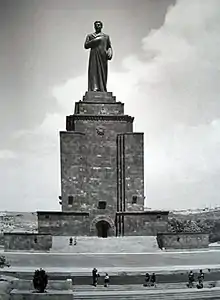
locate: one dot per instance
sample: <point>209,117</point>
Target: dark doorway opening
<point>102,228</point>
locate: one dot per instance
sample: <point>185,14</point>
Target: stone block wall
<point>183,240</point>
<point>88,108</point>
<point>102,174</point>
<point>63,223</point>
<point>146,223</point>
<point>27,241</point>
<point>130,166</point>
<point>72,154</point>
<point>88,153</point>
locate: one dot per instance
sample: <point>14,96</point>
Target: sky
<point>166,69</point>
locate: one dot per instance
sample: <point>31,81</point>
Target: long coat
<point>98,60</point>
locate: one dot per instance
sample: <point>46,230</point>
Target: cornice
<point>103,117</point>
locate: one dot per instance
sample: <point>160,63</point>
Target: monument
<point>100,53</point>
<point>102,163</point>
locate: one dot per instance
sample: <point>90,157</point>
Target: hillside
<point>18,221</point>
<point>205,220</point>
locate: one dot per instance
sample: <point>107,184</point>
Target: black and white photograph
<point>109,149</point>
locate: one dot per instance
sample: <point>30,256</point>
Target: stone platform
<point>82,262</point>
<point>132,244</point>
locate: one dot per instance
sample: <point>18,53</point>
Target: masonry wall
<point>58,223</point>
<point>142,223</point>
<point>88,164</point>
<point>88,108</point>
<point>73,163</point>
<point>130,165</point>
<point>27,241</point>
<point>183,240</point>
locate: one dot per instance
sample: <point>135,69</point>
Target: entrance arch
<point>102,228</point>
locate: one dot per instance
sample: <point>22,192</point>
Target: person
<point>36,280</point>
<point>201,276</point>
<point>106,280</point>
<point>100,53</point>
<point>71,241</point>
<point>199,284</point>
<point>190,279</point>
<point>200,280</point>
<point>147,279</point>
<point>75,242</point>
<point>153,280</point>
<point>95,276</point>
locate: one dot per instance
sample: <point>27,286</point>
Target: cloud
<point>7,154</point>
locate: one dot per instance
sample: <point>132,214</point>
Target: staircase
<point>133,244</point>
<point>136,293</point>
<point>167,291</point>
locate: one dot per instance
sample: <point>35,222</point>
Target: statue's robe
<point>98,61</point>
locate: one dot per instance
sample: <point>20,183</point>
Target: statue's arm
<point>87,43</point>
<point>90,42</point>
<point>109,49</point>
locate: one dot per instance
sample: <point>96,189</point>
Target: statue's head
<point>98,26</point>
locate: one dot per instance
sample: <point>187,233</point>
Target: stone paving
<point>128,244</point>
<point>122,261</point>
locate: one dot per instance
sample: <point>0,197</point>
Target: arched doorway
<point>102,228</point>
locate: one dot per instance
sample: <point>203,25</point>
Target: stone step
<point>133,244</point>
<point>130,287</point>
<point>156,295</point>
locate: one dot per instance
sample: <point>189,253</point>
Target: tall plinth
<point>102,173</point>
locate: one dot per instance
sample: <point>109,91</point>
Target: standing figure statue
<point>100,53</point>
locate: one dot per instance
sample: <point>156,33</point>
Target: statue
<point>100,53</point>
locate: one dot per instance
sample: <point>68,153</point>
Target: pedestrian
<point>71,241</point>
<point>75,242</point>
<point>147,279</point>
<point>153,280</point>
<point>201,276</point>
<point>190,279</point>
<point>95,276</point>
<point>200,280</point>
<point>106,280</point>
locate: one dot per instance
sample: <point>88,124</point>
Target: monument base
<point>32,295</point>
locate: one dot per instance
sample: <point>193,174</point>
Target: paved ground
<point>128,244</point>
<point>162,260</point>
<point>116,262</point>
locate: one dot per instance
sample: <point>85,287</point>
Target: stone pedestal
<point>102,173</point>
<point>50,295</point>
